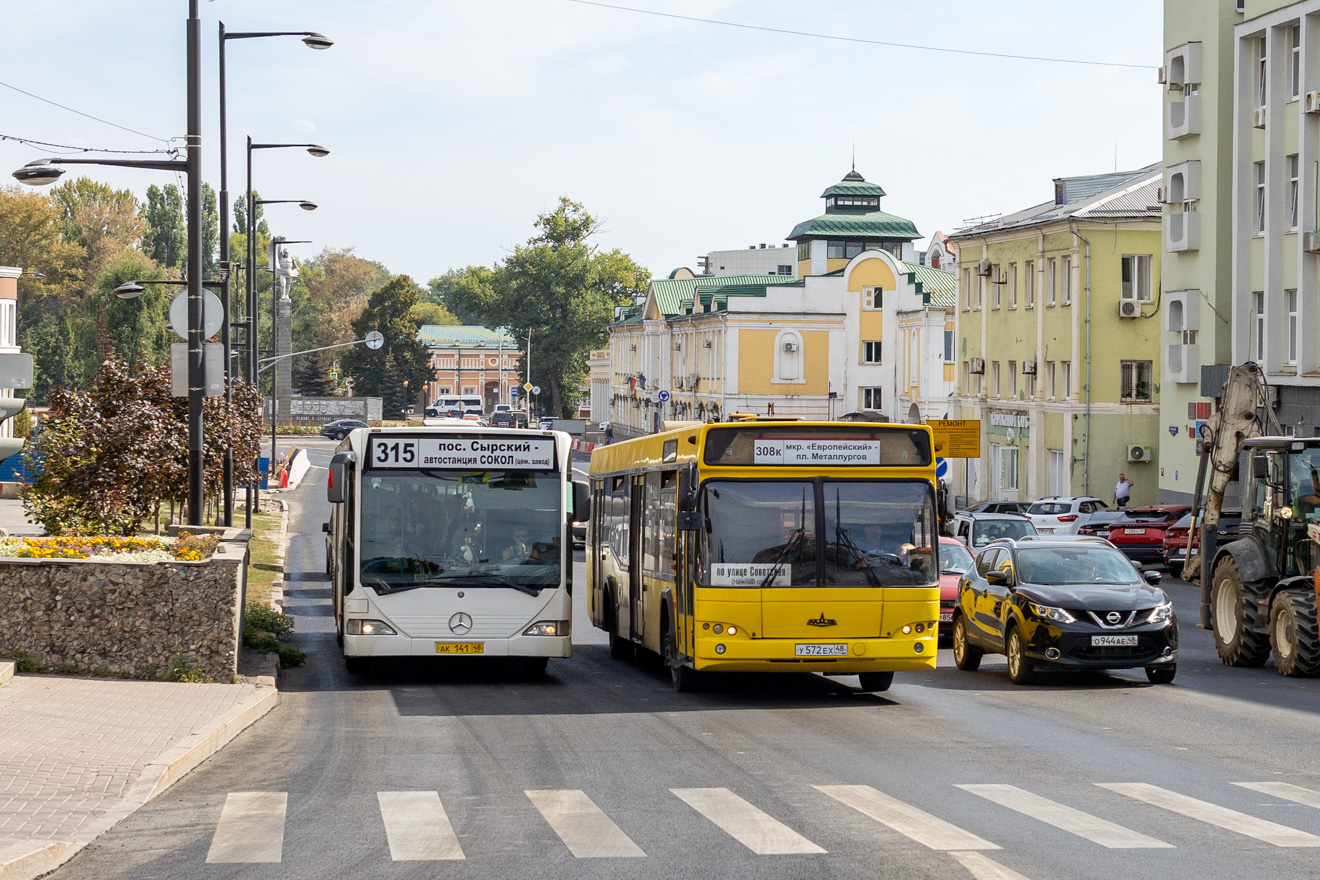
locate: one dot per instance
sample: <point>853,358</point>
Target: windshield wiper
<point>841,536</point>
<point>448,580</point>
<point>788,545</point>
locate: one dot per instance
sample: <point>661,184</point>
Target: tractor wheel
<point>1295,633</point>
<point>1242,638</point>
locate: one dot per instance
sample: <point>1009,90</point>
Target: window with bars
<point>1135,381</point>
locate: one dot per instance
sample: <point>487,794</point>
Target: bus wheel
<point>875,681</point>
<point>535,666</point>
<point>685,678</point>
<point>357,665</point>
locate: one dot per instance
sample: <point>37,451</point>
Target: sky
<point>452,125</point>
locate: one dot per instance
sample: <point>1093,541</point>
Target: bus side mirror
<point>336,487</point>
<point>581,502</point>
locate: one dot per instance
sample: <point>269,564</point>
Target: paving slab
<point>79,754</point>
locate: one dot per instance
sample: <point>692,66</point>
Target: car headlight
<point>1049,612</point>
<point>1161,613</point>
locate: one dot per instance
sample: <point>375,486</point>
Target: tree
<point>433,313</point>
<point>138,328</point>
<point>402,359</point>
<point>101,220</point>
<point>166,236</point>
<point>439,290</point>
<point>329,294</point>
<point>559,288</point>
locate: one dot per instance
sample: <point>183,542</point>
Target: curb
<point>27,861</point>
<point>6,670</point>
<point>282,548</point>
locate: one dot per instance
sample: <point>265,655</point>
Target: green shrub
<point>264,618</point>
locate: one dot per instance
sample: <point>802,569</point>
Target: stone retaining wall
<point>127,619</point>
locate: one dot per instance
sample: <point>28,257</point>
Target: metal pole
<point>225,339</point>
<point>196,364</point>
<point>275,365</point>
<point>249,280</point>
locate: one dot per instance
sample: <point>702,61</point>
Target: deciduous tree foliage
<point>383,372</point>
<point>113,453</point>
<point>330,293</point>
<point>559,287</point>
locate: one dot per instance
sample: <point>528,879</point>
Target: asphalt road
<point>600,769</point>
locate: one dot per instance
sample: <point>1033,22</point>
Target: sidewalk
<point>13,519</point>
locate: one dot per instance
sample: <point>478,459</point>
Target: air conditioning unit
<point>983,268</point>
<point>1129,308</point>
<point>1162,76</point>
<point>790,346</point>
<point>1028,368</point>
<point>977,365</point>
<point>1138,453</point>
<point>1159,196</point>
<point>1312,242</point>
<point>1258,117</point>
<point>1312,102</point>
<point>678,383</point>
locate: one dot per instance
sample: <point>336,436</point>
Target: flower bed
<point>98,548</point>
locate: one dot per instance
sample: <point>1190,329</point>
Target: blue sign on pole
<point>513,392</point>
<point>941,468</point>
<point>663,395</point>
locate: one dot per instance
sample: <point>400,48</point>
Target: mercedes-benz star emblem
<point>1113,617</point>
<point>460,623</point>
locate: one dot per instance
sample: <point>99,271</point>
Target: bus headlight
<point>357,627</point>
<point>548,628</point>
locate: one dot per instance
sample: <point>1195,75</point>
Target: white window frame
<point>872,352</point>
<point>869,297</point>
<point>1012,286</point>
<point>1137,268</point>
<point>1050,380</point>
<point>1290,338</point>
<point>1258,169</point>
<point>994,371</point>
<point>1056,486</point>
<point>1029,289</point>
<point>1130,377</point>
<point>1293,190</point>
<point>871,398</point>
<point>1294,62</point>
<point>1067,281</point>
<point>998,294</point>
<point>1066,368</point>
<point>1256,340</point>
<point>1051,281</point>
<point>965,293</point>
<point>1012,379</point>
<point>1262,70</point>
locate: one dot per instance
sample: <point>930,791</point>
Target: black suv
<point>1075,604</point>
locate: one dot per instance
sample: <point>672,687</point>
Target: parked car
<point>1064,516</point>
<point>1139,533</point>
<point>339,428</point>
<point>502,407</point>
<point>989,507</point>
<point>1174,548</point>
<point>1075,604</point>
<point>1098,523</point>
<point>980,529</point>
<point>509,419</point>
<point>955,559</point>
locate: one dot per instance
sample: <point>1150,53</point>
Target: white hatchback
<point>1053,515</point>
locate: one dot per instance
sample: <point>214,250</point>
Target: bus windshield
<point>481,529</point>
<point>821,532</point>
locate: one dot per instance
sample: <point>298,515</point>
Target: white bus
<point>452,540</point>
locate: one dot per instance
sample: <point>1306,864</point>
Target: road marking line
<point>417,827</point>
<point>251,828</point>
<point>906,819</point>
<point>1065,818</point>
<point>582,826</point>
<point>1212,814</point>
<point>1287,791</point>
<point>985,868</point>
<point>758,831</point>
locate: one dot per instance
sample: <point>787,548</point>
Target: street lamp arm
<point>153,164</point>
<point>279,357</point>
<point>248,35</point>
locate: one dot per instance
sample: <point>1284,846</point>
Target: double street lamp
<point>45,171</point>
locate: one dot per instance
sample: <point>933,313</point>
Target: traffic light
<point>10,407</point>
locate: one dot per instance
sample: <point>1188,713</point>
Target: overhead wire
<point>72,149</point>
<point>842,39</point>
<point>87,115</point>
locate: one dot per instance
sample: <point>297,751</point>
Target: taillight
<point>1068,517</point>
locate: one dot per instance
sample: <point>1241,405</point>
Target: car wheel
<point>1019,667</point>
<point>966,656</point>
<point>1294,633</point>
<point>1241,637</point>
<point>1161,674</point>
<point>875,681</point>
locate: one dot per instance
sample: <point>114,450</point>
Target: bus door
<point>596,550</point>
<point>636,584</point>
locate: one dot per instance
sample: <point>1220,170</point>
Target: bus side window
<point>667,516</point>
<point>651,524</point>
<point>615,520</point>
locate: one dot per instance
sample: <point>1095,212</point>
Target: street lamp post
<point>44,171</point>
<point>275,328</point>
<point>314,41</point>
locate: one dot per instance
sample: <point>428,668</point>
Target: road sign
<point>957,438</point>
<point>941,468</point>
<point>374,339</point>
<point>513,392</point>
<point>15,370</point>
<point>527,386</point>
<point>662,396</point>
<point>536,389</point>
<point>213,315</point>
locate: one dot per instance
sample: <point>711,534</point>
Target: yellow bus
<point>768,546</point>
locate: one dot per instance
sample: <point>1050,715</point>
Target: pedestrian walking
<point>609,433</point>
<point>1122,491</point>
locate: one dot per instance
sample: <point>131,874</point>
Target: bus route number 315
<point>396,453</point>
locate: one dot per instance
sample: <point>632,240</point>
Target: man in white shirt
<point>1122,491</point>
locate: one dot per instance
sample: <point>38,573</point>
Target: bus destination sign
<point>817,451</point>
<point>466,453</point>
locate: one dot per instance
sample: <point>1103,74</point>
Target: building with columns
<point>864,332</point>
<point>1058,342</point>
<point>473,360</point>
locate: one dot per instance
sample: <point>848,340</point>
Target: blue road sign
<point>663,395</point>
<point>941,468</point>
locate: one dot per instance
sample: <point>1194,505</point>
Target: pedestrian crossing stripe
<point>251,825</point>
